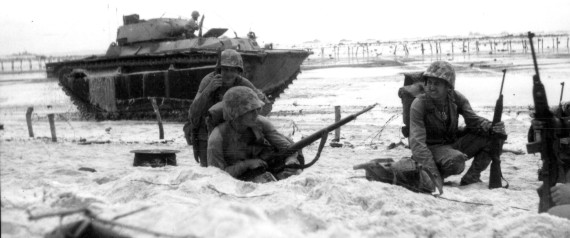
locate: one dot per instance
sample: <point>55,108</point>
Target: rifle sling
<point>506,186</point>
<point>321,145</point>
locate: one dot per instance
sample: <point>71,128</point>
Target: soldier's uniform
<point>192,25</point>
<point>204,100</point>
<point>230,149</point>
<point>438,149</point>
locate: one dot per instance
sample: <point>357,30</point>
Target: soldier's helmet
<point>238,101</point>
<point>441,70</point>
<point>195,14</point>
<point>231,58</point>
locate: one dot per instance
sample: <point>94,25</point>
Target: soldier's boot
<point>480,163</point>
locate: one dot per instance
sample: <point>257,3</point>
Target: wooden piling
<point>477,47</point>
<point>452,51</point>
<point>2,63</point>
<point>436,48</point>
<point>52,127</point>
<point>336,119</point>
<point>29,121</point>
<point>158,118</point>
<point>422,48</point>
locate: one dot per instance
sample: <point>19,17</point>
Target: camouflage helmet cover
<point>231,58</point>
<point>195,14</point>
<point>441,70</point>
<point>238,101</point>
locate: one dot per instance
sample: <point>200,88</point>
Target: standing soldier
<point>192,25</point>
<point>211,91</point>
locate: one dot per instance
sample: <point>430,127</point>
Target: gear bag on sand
<point>406,173</point>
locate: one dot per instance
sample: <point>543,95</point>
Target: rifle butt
<point>545,202</point>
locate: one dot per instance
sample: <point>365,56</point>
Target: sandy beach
<point>329,199</point>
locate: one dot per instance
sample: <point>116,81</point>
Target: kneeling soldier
<point>437,150</point>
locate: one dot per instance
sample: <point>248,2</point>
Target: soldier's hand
<point>499,128</point>
<point>214,84</point>
<point>561,194</point>
<point>256,163</point>
<point>486,125</point>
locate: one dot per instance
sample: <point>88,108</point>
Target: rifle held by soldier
<point>543,124</point>
<point>276,161</point>
<point>497,145</point>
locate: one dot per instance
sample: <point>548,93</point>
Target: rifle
<point>276,161</point>
<point>547,128</point>
<point>219,61</point>
<point>497,145</point>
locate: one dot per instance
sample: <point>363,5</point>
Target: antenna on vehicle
<point>162,14</point>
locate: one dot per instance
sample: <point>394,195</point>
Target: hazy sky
<point>59,26</point>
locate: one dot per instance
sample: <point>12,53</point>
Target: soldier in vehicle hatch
<point>192,25</point>
<point>211,91</point>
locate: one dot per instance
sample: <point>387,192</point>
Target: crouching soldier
<point>437,150</point>
<point>246,140</point>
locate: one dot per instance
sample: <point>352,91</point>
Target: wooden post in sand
<point>476,46</point>
<point>436,48</point>
<point>158,118</point>
<point>336,119</point>
<point>52,127</point>
<point>29,121</point>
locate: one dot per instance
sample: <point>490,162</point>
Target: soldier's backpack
<point>413,86</point>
